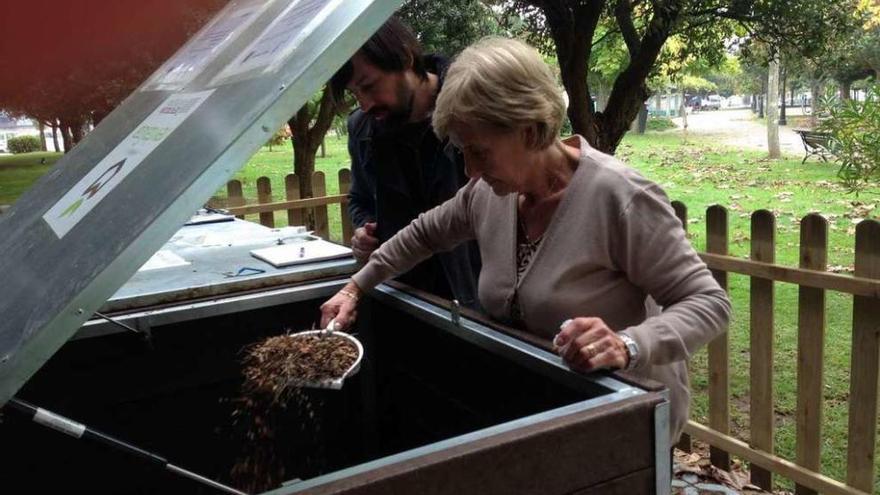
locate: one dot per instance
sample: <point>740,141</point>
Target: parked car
<point>711,102</point>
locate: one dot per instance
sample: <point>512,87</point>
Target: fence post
<point>719,379</point>
<point>344,216</point>
<point>319,189</point>
<point>811,345</point>
<point>761,303</point>
<point>264,195</point>
<point>234,196</point>
<point>681,211</point>
<point>291,188</point>
<point>865,364</point>
<point>684,443</point>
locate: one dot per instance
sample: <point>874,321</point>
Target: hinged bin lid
<point>86,226</point>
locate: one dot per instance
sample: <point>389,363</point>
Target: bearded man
<point>399,167</point>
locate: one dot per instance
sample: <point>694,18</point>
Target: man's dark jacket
<point>399,172</point>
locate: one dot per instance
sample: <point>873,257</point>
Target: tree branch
<point>630,90</point>
<point>607,34</point>
<point>561,27</point>
<point>324,119</point>
<point>623,14</point>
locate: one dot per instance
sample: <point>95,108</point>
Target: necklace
<point>525,232</point>
<point>521,212</point>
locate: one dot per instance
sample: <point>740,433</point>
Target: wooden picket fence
<point>813,280</point>
<point>297,209</point>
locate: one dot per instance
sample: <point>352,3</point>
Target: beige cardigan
<point>613,240</point>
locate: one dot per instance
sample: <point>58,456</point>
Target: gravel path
<point>739,128</point>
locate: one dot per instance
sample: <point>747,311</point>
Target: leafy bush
<point>24,144</point>
<point>854,127</point>
<point>280,136</point>
<point>660,123</point>
<point>566,129</point>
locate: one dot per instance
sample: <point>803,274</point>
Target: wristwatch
<point>632,350</point>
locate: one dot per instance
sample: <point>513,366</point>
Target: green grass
<point>18,172</point>
<point>699,173</point>
<point>276,164</point>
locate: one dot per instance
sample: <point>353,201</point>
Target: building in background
<point>10,128</point>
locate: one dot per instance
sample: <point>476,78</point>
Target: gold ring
<point>591,349</point>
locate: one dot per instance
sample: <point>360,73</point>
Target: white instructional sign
<point>198,53</point>
<point>120,162</point>
<point>301,252</point>
<point>280,38</point>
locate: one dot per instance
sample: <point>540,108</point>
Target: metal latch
<point>142,330</point>
<point>455,312</point>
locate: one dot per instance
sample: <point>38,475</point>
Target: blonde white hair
<point>503,83</point>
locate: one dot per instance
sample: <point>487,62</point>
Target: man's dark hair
<point>390,49</point>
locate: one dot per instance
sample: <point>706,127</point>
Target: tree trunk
<point>303,161</point>
<point>782,119</point>
<point>306,140</point>
<point>304,167</point>
<point>845,90</point>
<point>98,116</point>
<point>65,135</point>
<point>572,33</point>
<point>642,124</point>
<point>630,88</point>
<point>815,91</point>
<point>628,96</point>
<point>683,111</point>
<point>42,127</point>
<point>580,111</point>
<point>76,131</point>
<point>772,110</point>
<point>55,136</point>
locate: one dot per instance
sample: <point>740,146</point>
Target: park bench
<point>816,144</point>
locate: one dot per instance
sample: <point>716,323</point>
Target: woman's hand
<point>342,307</point>
<point>587,344</point>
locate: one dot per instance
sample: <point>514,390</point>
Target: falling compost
<point>272,392</point>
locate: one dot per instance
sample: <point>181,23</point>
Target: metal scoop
<point>333,383</point>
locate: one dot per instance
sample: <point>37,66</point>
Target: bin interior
<point>175,396</point>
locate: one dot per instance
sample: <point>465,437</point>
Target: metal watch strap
<point>632,350</point>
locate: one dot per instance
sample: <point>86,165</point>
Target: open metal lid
<point>86,226</point>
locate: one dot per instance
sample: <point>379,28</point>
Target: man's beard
<point>398,115</point>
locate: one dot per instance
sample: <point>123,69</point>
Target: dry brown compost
<point>272,399</point>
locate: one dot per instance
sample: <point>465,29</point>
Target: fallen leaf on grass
<point>841,269</point>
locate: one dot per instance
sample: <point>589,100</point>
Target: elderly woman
<point>566,233</point>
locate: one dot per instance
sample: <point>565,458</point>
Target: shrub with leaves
<point>280,136</point>
<point>854,127</point>
<point>23,144</point>
<point>660,123</point>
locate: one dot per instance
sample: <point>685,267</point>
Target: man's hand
<point>364,241</point>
